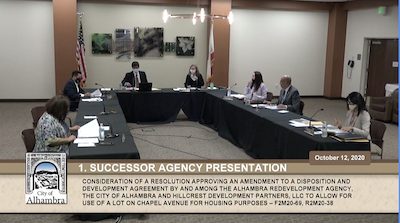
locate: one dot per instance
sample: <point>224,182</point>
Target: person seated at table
<point>73,90</point>
<point>289,97</point>
<point>256,90</point>
<point>194,78</point>
<point>134,77</point>
<point>358,120</point>
<point>52,133</point>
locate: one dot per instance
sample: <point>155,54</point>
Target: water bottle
<point>123,137</point>
<point>101,132</point>
<point>211,86</point>
<point>247,101</point>
<point>228,93</point>
<point>120,85</point>
<point>324,130</point>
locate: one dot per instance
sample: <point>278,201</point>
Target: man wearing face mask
<point>73,90</point>
<point>135,77</point>
<point>194,78</point>
<point>358,119</point>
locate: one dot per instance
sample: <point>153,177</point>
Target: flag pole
<point>210,58</point>
<point>80,52</point>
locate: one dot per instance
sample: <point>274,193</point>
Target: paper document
<point>155,89</point>
<point>105,89</point>
<point>181,89</point>
<point>213,88</point>
<point>89,117</point>
<point>89,130</point>
<point>306,122</point>
<point>129,88</point>
<point>238,96</point>
<point>259,106</point>
<point>86,145</point>
<point>331,129</point>
<point>283,111</point>
<point>86,140</point>
<point>273,107</point>
<point>96,94</point>
<point>297,124</point>
<point>92,99</point>
<point>178,89</point>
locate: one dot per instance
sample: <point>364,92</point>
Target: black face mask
<point>78,81</point>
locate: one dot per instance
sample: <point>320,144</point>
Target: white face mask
<point>135,70</point>
<point>352,107</point>
<point>192,71</point>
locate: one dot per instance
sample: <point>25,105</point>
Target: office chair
<point>28,136</point>
<point>377,131</point>
<point>37,112</point>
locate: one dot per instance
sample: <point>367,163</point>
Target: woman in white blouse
<point>358,119</point>
<point>256,90</point>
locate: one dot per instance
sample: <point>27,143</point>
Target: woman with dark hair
<point>358,120</point>
<point>256,90</point>
<point>52,133</point>
<point>194,78</point>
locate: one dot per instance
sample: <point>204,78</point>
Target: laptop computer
<point>349,136</point>
<point>145,86</point>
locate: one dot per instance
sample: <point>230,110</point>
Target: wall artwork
<point>148,42</point>
<point>170,47</point>
<point>101,43</point>
<point>123,44</point>
<point>184,46</point>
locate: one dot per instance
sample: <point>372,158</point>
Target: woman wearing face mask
<point>194,78</point>
<point>256,90</point>
<point>358,120</point>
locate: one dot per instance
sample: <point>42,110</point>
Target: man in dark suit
<point>134,77</point>
<point>289,97</point>
<point>73,90</point>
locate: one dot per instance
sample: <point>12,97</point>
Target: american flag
<point>80,54</point>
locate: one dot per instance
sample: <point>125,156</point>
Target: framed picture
<point>184,46</point>
<point>101,43</point>
<point>148,42</point>
<point>123,44</point>
<point>170,47</point>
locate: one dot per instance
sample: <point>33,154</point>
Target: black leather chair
<point>28,136</point>
<point>377,131</point>
<point>37,112</point>
<point>301,107</point>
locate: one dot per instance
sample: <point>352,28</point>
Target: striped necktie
<point>284,96</point>
<point>136,80</point>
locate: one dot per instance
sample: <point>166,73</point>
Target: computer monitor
<point>145,86</point>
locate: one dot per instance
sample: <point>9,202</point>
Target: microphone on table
<point>99,85</point>
<point>104,109</point>
<point>111,134</point>
<point>228,93</point>
<point>310,130</point>
<point>104,90</point>
<point>232,86</point>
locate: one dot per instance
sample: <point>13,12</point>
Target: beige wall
<point>27,50</point>
<point>363,24</point>
<point>278,43</point>
<point>165,72</point>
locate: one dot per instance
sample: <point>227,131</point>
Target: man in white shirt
<point>73,90</point>
<point>133,78</point>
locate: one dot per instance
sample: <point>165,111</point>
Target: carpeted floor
<point>188,140</point>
